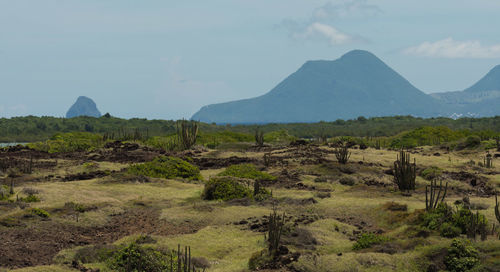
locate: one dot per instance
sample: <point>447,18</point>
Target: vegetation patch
<point>431,173</point>
<point>462,256</point>
<point>166,167</point>
<point>69,142</point>
<point>367,240</point>
<point>40,212</point>
<point>226,188</point>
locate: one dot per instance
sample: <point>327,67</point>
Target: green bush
<point>69,142</point>
<point>448,230</point>
<point>95,253</point>
<point>431,173</point>
<point>435,218</point>
<point>31,198</point>
<point>246,170</point>
<point>40,212</point>
<point>4,192</point>
<point>348,180</point>
<point>462,256</point>
<point>166,167</point>
<point>367,240</point>
<point>225,188</point>
<point>138,258</point>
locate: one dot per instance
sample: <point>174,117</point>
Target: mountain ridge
<point>356,84</point>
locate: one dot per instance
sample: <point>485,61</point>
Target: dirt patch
<point>479,183</point>
<point>215,163</point>
<point>87,175</point>
<point>260,224</point>
<point>37,245</point>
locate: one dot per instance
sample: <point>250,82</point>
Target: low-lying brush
<point>367,240</point>
<point>226,188</point>
<point>166,167</point>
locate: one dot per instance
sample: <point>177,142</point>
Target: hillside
<point>357,84</point>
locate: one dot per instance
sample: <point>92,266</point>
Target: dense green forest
<point>31,128</point>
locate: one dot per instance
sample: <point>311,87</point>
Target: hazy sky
<point>165,59</point>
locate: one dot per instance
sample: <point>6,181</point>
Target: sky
<point>165,59</point>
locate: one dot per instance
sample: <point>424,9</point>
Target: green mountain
<point>357,84</point>
<point>83,106</point>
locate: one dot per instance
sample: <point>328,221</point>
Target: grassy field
<point>325,217</point>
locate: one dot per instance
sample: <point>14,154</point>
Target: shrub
<point>166,167</point>
<point>225,188</point>
<point>349,181</point>
<point>137,258</point>
<point>69,142</point>
<point>431,173</point>
<point>94,254</point>
<point>246,170</point>
<point>462,256</point>
<point>40,212</point>
<point>435,218</point>
<point>448,230</point>
<point>4,192</point>
<point>31,198</point>
<point>367,240</point>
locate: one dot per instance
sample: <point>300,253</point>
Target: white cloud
<point>319,26</point>
<point>449,48</point>
<point>323,32</point>
<point>345,9</point>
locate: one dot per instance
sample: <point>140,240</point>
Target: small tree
<point>405,172</point>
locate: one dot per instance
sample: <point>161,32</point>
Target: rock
<point>83,106</point>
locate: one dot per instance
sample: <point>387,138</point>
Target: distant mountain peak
<point>83,106</point>
<point>490,82</point>
<point>356,84</point>
<point>358,54</point>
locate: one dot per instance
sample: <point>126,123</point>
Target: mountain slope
<point>83,106</point>
<point>481,99</point>
<point>357,84</point>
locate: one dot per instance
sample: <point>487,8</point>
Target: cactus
<point>184,263</point>
<point>405,172</point>
<point>431,200</point>
<point>497,139</point>
<point>477,224</point>
<point>497,211</point>
<point>259,138</point>
<point>275,229</point>
<point>186,133</point>
<point>342,153</point>
<point>267,159</point>
<point>488,161</point>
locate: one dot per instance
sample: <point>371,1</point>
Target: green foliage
<point>4,192</point>
<point>94,254</point>
<point>448,230</point>
<point>279,136</point>
<point>462,256</point>
<point>431,173</point>
<point>40,212</point>
<point>426,136</point>
<point>69,142</point>
<point>169,143</point>
<point>226,188</point>
<point>246,170</point>
<point>433,219</point>
<point>30,199</point>
<point>367,240</point>
<point>166,167</point>
<point>134,258</point>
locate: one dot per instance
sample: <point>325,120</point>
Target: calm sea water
<point>11,144</point>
